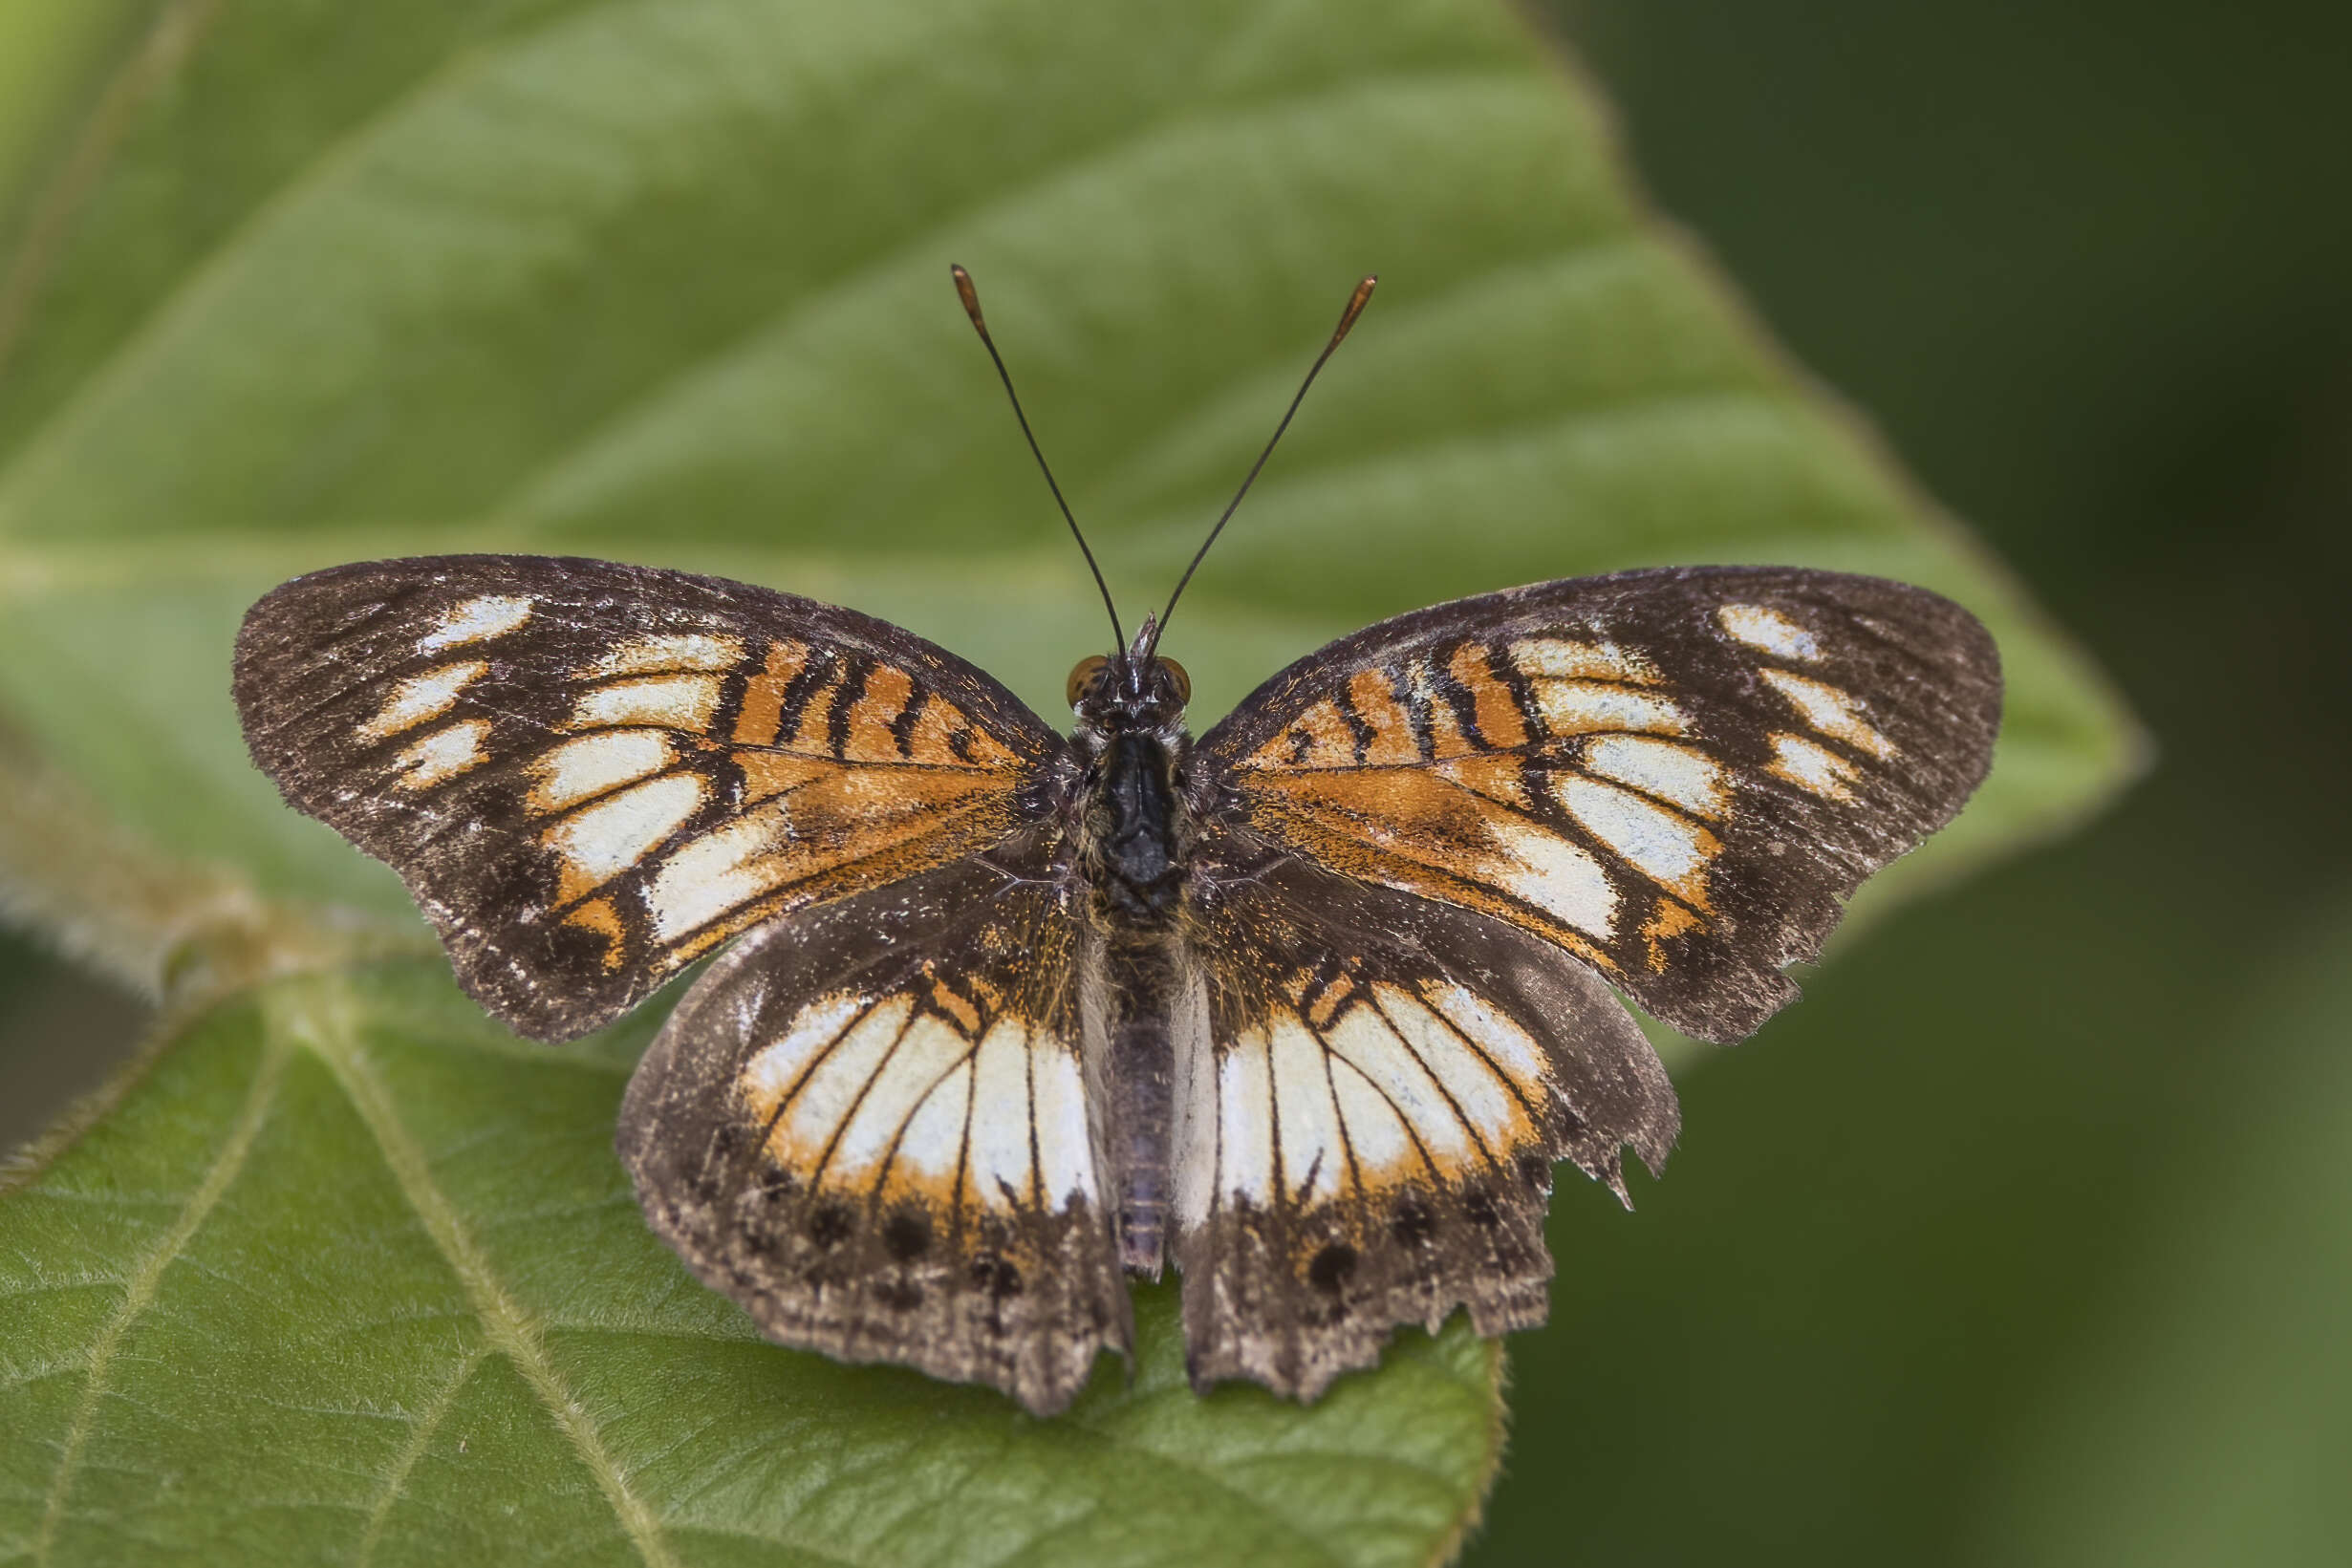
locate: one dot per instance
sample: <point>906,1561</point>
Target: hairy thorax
<point>1136,836</point>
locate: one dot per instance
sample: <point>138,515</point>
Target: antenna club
<point>971,297</point>
<point>1355,308</point>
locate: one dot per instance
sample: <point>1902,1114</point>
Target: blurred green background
<point>2025,1239</point>
<point>2036,1249</point>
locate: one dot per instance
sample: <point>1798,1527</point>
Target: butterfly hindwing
<point>1679,776</point>
<point>1391,1082</point>
<point>591,774</point>
<point>868,1124</point>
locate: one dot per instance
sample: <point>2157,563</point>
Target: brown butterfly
<point>1307,1007</point>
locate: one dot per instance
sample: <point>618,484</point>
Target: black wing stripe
<point>849,1113</point>
<point>890,1157</point>
<point>1510,1083</point>
<point>1379,1005</point>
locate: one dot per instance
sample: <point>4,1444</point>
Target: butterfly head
<point>1132,692</point>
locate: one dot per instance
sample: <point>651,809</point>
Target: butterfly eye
<point>1083,677</point>
<point>1183,681</point>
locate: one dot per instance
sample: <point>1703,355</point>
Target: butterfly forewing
<point>869,1124</point>
<point>1391,1082</point>
<point>591,774</point>
<point>1676,775</point>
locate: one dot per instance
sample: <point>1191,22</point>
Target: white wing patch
<point>1669,849</point>
<point>1676,774</point>
<point>1409,1083</point>
<point>1561,659</point>
<point>1364,1040</point>
<point>933,1142</point>
<point>1375,1129</point>
<point>721,871</point>
<point>1769,631</point>
<point>599,842</point>
<point>422,697</point>
<point>1832,711</point>
<point>998,1175</point>
<point>1816,769</point>
<point>475,620</point>
<point>1477,1093</point>
<point>667,652</point>
<point>1556,877</point>
<point>683,702</point>
<point>815,1114</point>
<point>588,766</point>
<point>1064,1152</point>
<point>767,1079</point>
<point>1314,1163</point>
<point>1505,1044</point>
<point>1245,1120</point>
<point>927,1051</point>
<point>1578,707</point>
<point>891,1093</point>
<point>443,755</point>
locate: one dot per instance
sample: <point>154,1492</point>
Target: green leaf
<point>352,1274</point>
<point>666,281</point>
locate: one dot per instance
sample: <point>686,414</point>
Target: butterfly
<point>1307,1007</point>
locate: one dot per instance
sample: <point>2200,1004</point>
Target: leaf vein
<point>395,1480</point>
<point>143,1283</point>
<point>320,1015</point>
<point>1217,1483</point>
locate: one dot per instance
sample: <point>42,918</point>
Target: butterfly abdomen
<point>1149,1032</point>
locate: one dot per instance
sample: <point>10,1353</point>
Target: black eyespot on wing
<point>1332,1267</point>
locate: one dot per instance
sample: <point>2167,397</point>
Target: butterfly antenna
<point>971,307</point>
<point>1339,333</point>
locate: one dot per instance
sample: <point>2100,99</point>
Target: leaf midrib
<point>321,1014</point>
<point>143,1282</point>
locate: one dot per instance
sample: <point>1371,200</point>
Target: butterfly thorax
<point>1134,835</point>
<point>1134,830</point>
